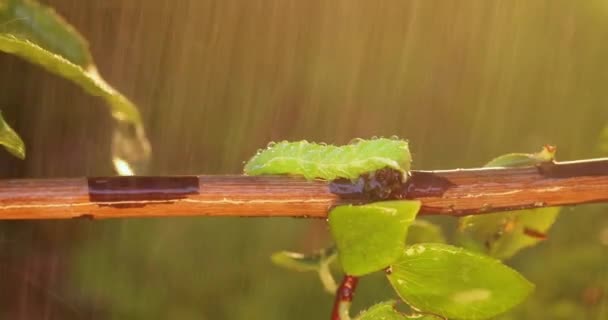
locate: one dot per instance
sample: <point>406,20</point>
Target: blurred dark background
<point>464,81</point>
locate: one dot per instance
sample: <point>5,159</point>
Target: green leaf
<point>296,261</point>
<point>503,234</point>
<point>422,231</point>
<point>381,311</point>
<point>370,237</point>
<point>318,262</point>
<point>328,162</point>
<point>36,33</point>
<point>130,139</point>
<point>546,154</point>
<point>89,80</point>
<point>419,316</point>
<point>386,311</point>
<point>456,283</point>
<point>10,140</point>
<point>40,24</point>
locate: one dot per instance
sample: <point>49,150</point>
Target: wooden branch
<point>447,192</point>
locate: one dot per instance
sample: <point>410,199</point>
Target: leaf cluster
<point>434,279</point>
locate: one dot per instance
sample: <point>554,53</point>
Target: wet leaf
<point>422,231</point>
<point>122,109</point>
<point>370,237</point>
<point>10,140</point>
<point>89,80</point>
<point>456,283</point>
<point>424,317</point>
<point>386,311</point>
<point>381,311</point>
<point>503,234</point>
<point>40,24</point>
<point>36,33</point>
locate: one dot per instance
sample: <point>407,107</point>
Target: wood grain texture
<point>462,192</point>
<point>447,192</point>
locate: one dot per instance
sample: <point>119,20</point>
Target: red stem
<point>344,295</point>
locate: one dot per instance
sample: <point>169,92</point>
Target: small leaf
<point>318,262</point>
<point>382,311</point>
<point>370,237</point>
<point>456,283</point>
<point>546,154</point>
<point>296,261</point>
<point>386,311</point>
<point>423,231</point>
<point>10,140</point>
<point>503,234</point>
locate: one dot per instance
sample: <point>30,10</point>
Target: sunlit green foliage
<point>431,277</point>
<point>381,311</point>
<point>456,283</point>
<point>37,34</point>
<point>421,231</point>
<point>502,235</point>
<point>88,79</point>
<point>386,311</point>
<point>371,237</point>
<point>455,74</point>
<point>546,154</point>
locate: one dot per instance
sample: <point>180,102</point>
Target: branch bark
<point>445,192</point>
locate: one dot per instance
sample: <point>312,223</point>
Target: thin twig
<point>446,192</point>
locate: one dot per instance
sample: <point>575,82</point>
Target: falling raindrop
<point>130,149</point>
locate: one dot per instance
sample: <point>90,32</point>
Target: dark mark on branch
<point>573,170</point>
<point>382,184</point>
<point>130,192</point>
<point>386,184</point>
<point>423,184</point>
<point>85,216</point>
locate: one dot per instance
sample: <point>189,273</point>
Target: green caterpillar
<point>328,162</point>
